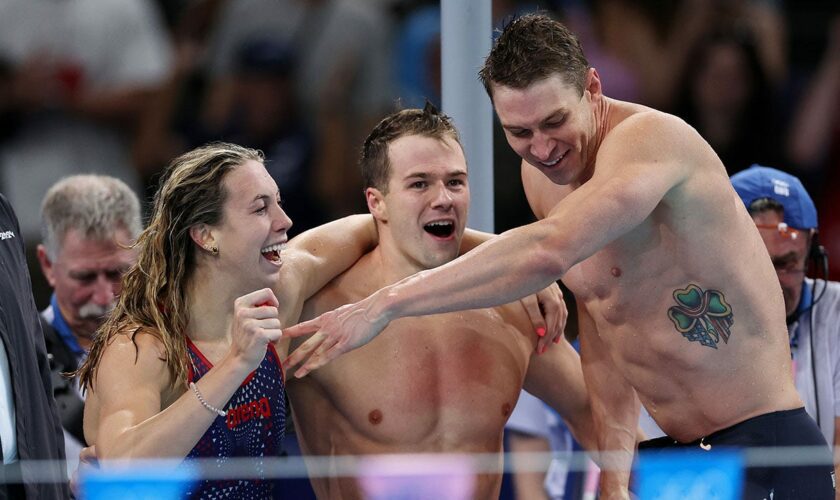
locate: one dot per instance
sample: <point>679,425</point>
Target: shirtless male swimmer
<point>679,305</point>
<point>437,384</point>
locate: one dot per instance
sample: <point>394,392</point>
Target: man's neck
<point>393,265</point>
<point>602,123</point>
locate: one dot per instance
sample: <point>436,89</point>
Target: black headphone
<point>818,257</point>
<point>819,260</point>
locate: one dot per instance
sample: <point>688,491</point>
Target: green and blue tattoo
<point>701,315</point>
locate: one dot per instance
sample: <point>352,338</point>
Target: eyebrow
<point>83,273</point>
<point>424,175</point>
<point>554,115</point>
<point>264,197</point>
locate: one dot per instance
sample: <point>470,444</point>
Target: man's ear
<point>203,236</point>
<point>46,264</point>
<point>593,82</point>
<point>376,204</point>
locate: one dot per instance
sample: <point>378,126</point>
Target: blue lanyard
<point>64,331</point>
<point>804,305</point>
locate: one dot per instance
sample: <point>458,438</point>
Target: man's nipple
<point>375,417</point>
<point>616,271</point>
<point>506,409</point>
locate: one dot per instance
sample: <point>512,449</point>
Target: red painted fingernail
<point>262,304</point>
<point>557,340</point>
<point>540,332</point>
<point>542,349</point>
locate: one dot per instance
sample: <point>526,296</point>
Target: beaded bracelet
<point>221,413</point>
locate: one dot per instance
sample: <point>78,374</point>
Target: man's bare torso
<point>443,383</point>
<point>677,271</point>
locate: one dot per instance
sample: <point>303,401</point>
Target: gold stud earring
<point>212,250</point>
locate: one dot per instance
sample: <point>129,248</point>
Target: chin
<point>440,260</point>
<point>267,280</point>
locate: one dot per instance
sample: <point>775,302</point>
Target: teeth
<point>278,247</point>
<point>440,223</point>
<point>552,163</point>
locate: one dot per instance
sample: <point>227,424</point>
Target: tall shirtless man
<point>680,307</point>
<point>452,387</point>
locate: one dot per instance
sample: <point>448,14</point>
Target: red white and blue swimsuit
<point>253,427</point>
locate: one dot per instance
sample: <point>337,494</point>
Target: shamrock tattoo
<point>701,315</point>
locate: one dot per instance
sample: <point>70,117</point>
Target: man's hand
<point>548,314</point>
<point>335,333</point>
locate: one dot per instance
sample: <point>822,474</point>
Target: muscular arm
<point>322,253</point>
<point>629,183</point>
<point>132,417</point>
<point>556,378</point>
<point>625,190</point>
<point>128,391</point>
<point>472,238</point>
<point>615,410</point>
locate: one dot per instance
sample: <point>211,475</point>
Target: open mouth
<point>550,164</point>
<point>272,252</point>
<point>440,229</point>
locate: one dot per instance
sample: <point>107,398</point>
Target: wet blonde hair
<point>153,297</point>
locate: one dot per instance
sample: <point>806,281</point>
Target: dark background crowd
<point>122,86</point>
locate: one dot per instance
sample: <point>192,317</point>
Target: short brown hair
<point>531,48</point>
<point>429,122</point>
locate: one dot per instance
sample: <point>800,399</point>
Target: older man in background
<point>787,221</point>
<point>88,224</point>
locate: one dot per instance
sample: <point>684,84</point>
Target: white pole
<point>466,37</point>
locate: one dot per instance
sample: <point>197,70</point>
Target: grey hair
<point>95,205</point>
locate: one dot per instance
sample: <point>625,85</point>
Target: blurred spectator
<point>816,122</point>
<point>417,57</point>
<point>813,143</point>
<point>643,46</point>
<point>726,96</point>
<point>166,126</point>
<point>807,26</point>
<point>88,222</point>
<point>30,429</point>
<point>644,43</point>
<point>265,117</point>
<point>343,79</point>
<point>81,74</point>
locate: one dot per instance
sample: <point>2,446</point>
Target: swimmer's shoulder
<point>515,315</point>
<point>350,286</point>
<point>642,125</point>
<point>134,351</point>
<point>139,338</point>
<point>654,139</point>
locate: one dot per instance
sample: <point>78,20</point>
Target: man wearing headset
<point>786,218</point>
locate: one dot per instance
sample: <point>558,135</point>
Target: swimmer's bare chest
<point>628,275</point>
<point>439,383</point>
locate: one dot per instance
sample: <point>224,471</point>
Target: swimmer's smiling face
<point>253,227</point>
<point>424,212</point>
<point>551,125</point>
